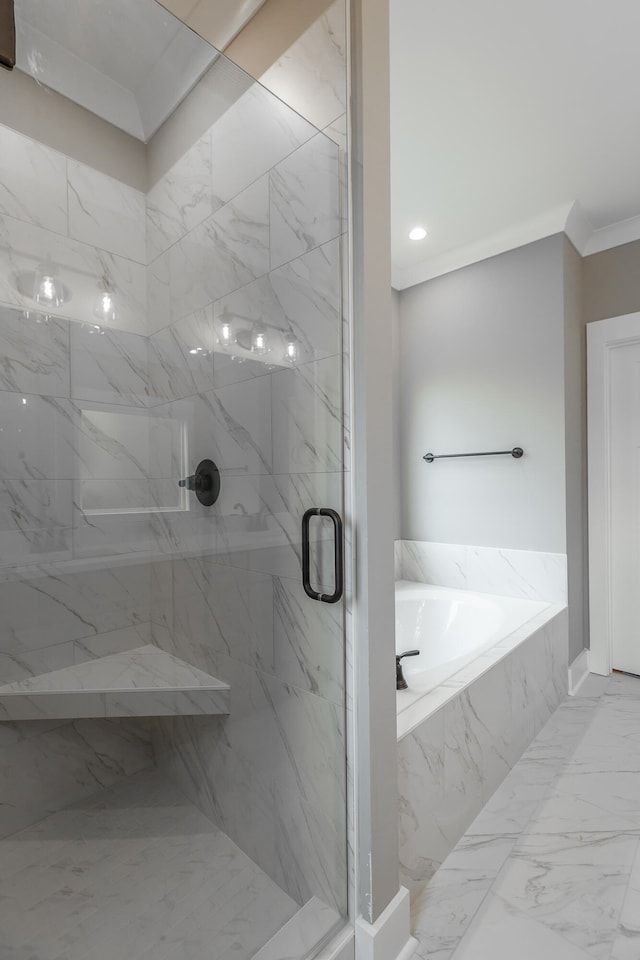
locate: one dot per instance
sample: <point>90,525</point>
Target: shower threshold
<point>136,871</point>
<point>143,682</point>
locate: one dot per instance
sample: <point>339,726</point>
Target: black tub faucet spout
<point>401,683</point>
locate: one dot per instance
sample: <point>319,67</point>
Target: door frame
<point>603,337</point>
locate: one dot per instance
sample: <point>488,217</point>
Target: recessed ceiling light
<point>418,233</point>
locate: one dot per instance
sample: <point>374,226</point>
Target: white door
<point>624,453</point>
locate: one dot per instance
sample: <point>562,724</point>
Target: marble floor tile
<point>502,933</point>
<point>574,885</point>
<point>136,871</point>
<point>551,866</point>
<point>444,908</point>
<point>626,947</point>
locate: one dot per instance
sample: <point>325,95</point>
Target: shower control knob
<point>205,483</point>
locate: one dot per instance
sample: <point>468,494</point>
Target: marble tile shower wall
<point>65,393</point>
<point>247,229</point>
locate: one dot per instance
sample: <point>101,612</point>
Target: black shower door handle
<point>338,555</point>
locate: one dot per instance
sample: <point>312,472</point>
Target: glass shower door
<point>172,701</point>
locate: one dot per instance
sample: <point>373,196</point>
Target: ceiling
<point>511,120</point>
<point>130,63</point>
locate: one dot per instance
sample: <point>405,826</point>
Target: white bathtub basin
<point>451,628</point>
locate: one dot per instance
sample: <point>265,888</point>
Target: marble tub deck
<point>135,872</point>
<point>551,867</point>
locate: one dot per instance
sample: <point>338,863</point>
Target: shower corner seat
<point>143,682</point>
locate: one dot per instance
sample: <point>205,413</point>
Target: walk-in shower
<point>172,702</point>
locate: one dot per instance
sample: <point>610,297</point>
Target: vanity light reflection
<point>48,290</point>
<point>105,307</point>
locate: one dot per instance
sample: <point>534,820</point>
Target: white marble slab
<point>110,366</point>
<point>528,574</point>
<point>307,421</point>
<point>518,573</point>
<point>81,268</point>
<point>308,641</point>
<point>34,353</point>
<point>181,358</point>
<point>232,425</point>
<point>144,681</point>
<point>56,603</point>
<point>250,138</point>
<point>138,870</point>
<point>566,885</point>
<point>301,298</point>
<point>33,182</point>
<point>222,254</point>
<point>181,200</point>
<point>444,564</point>
<point>106,213</point>
<point>52,763</point>
<point>310,76</point>
<point>158,294</point>
<point>304,194</point>
<point>476,725</point>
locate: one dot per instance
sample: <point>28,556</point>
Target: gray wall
<point>511,326</point>
<point>482,361</point>
<point>611,282</point>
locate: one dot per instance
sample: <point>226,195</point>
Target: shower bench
<point>143,682</point>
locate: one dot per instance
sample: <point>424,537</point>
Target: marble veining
<point>245,225</point>
<point>34,504</point>
<point>301,298</point>
<point>81,267</point>
<point>533,878</point>
<point>59,763</point>
<point>188,885</point>
<point>528,574</point>
<point>53,606</point>
<point>226,251</point>
<point>108,366</point>
<point>181,358</point>
<point>304,200</point>
<point>34,353</point>
<point>308,641</point>
<point>307,421</point>
<point>106,213</point>
<point>33,182</point>
<point>250,139</point>
<point>144,681</point>
<point>310,76</point>
<point>458,743</point>
<point>181,200</point>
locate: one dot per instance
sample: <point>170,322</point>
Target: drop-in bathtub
<point>451,628</point>
<point>491,671</point>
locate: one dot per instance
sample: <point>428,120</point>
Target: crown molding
<point>569,218</point>
<point>625,231</point>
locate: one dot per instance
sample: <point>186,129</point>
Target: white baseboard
<point>389,938</point>
<point>578,672</point>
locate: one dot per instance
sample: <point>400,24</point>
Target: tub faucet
<point>401,683</point>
